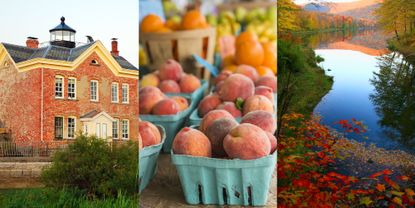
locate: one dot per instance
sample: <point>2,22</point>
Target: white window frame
<point>97,90</point>
<point>54,127</point>
<point>112,92</point>
<point>63,86</point>
<point>116,128</point>
<point>125,86</point>
<point>74,86</point>
<point>127,131</point>
<point>74,127</point>
<point>98,130</point>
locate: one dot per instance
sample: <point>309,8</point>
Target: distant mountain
<point>362,9</point>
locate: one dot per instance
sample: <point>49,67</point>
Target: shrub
<point>90,164</point>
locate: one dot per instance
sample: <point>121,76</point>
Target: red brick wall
<point>82,105</point>
<point>20,102</point>
<point>20,99</point>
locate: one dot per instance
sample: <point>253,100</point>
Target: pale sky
<point>308,1</point>
<point>101,19</point>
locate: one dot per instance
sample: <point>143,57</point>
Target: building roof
<point>90,114</point>
<point>22,53</point>
<point>62,26</point>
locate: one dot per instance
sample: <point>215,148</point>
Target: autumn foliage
<point>305,154</point>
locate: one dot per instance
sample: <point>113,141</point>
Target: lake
<point>370,84</point>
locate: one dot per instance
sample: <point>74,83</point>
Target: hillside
<point>362,9</point>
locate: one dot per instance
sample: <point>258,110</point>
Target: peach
<point>183,103</point>
<point>167,106</point>
<point>248,71</point>
<point>217,131</point>
<point>210,117</point>
<point>231,108</point>
<point>236,86</point>
<point>218,86</point>
<point>149,133</point>
<point>257,102</point>
<point>169,86</point>
<point>189,83</point>
<point>148,98</point>
<point>208,103</point>
<point>192,142</point>
<point>273,141</point>
<point>265,91</point>
<point>246,141</point>
<point>149,80</point>
<point>222,76</point>
<point>269,81</point>
<point>171,70</point>
<point>263,119</point>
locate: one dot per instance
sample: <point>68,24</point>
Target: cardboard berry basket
<point>171,123</point>
<point>148,161</point>
<point>225,181</point>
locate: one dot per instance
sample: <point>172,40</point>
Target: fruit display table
<point>165,189</point>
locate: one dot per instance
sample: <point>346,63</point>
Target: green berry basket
<point>225,181</point>
<point>147,161</point>
<point>197,95</point>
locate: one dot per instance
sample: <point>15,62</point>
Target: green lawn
<point>67,198</point>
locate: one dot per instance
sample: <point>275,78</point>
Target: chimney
<point>114,47</point>
<point>32,42</point>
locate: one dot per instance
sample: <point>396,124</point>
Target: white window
<point>94,90</point>
<point>114,92</point>
<point>98,130</point>
<point>59,87</point>
<point>86,129</point>
<point>124,98</point>
<point>71,127</point>
<point>104,131</point>
<point>125,129</point>
<point>115,129</point>
<point>72,88</point>
<point>58,127</point>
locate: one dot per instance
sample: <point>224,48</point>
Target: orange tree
<point>305,152</point>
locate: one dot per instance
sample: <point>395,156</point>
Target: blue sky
<point>102,19</point>
<point>307,1</point>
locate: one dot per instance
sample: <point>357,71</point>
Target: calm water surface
<point>352,61</point>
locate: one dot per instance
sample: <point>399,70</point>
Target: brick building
<point>51,93</point>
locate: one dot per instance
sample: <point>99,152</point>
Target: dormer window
<point>94,62</point>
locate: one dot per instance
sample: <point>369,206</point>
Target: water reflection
<point>394,98</point>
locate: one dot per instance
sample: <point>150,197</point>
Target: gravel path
<point>165,191</point>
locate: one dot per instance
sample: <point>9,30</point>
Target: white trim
<point>96,116</point>
<point>118,129</point>
<point>128,93</point>
<point>74,127</point>
<point>122,128</point>
<point>63,87</point>
<point>97,91</point>
<point>118,92</point>
<point>54,126</point>
<point>72,78</point>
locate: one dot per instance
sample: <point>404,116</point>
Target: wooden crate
<point>181,45</point>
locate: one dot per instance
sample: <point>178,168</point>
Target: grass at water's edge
<point>48,197</point>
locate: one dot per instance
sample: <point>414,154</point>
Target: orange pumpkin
<point>249,53</point>
<point>151,23</point>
